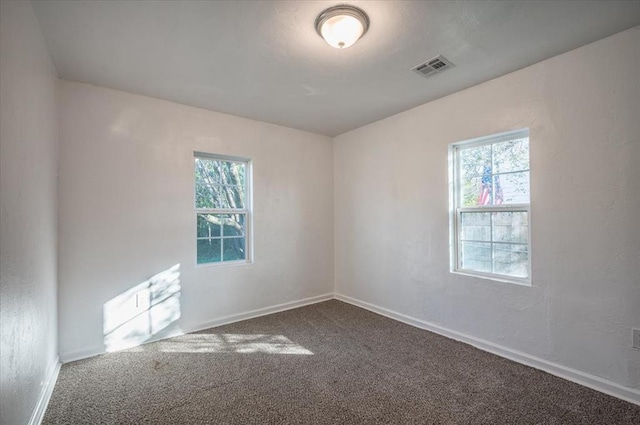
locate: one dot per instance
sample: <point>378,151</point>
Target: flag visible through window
<point>490,215</point>
<point>489,188</point>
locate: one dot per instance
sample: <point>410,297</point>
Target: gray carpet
<point>329,363</point>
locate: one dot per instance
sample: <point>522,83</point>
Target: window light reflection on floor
<point>227,343</point>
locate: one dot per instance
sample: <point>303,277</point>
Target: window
<point>223,208</point>
<point>490,214</point>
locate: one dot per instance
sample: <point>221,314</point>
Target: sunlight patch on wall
<point>138,314</point>
<point>127,119</point>
<point>227,343</point>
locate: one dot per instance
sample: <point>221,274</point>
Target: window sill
<point>223,264</point>
<point>496,278</point>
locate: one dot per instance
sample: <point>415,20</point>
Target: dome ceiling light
<point>341,26</point>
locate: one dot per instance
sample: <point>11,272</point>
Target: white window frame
<point>456,210</point>
<point>247,210</point>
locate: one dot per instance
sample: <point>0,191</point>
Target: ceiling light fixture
<point>341,26</point>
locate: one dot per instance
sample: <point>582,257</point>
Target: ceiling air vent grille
<point>433,66</point>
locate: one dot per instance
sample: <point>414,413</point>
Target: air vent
<point>433,66</point>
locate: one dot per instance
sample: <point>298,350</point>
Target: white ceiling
<point>264,60</point>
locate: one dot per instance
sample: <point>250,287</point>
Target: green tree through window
<point>222,208</point>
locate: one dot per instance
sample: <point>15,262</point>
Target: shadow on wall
<point>227,343</point>
<point>140,313</point>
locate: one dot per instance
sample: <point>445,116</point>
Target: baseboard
<point>81,354</point>
<point>599,384</point>
<point>591,381</point>
<point>45,394</point>
<point>251,314</point>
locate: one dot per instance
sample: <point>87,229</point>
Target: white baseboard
<point>81,354</point>
<point>631,395</point>
<point>45,394</point>
<point>252,314</point>
<point>95,351</point>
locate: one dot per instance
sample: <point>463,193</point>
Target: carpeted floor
<point>329,363</point>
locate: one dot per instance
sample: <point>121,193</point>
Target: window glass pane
<point>511,156</point>
<point>220,184</point>
<point>471,192</point>
<point>511,188</point>
<point>476,226</point>
<point>474,164</point>
<point>228,197</point>
<point>204,199</point>
<point>479,191</point>
<point>511,260</point>
<point>209,250</point>
<point>232,197</point>
<point>474,160</point>
<point>511,227</point>
<point>208,196</point>
<point>476,256</point>
<point>232,173</point>
<point>234,249</point>
<point>208,225</point>
<point>493,174</point>
<point>207,171</point>
<point>233,224</point>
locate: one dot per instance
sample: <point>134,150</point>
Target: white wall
<point>28,156</point>
<point>392,219</point>
<point>126,210</point>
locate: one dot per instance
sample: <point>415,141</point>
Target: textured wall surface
<point>28,156</point>
<point>127,210</point>
<point>392,218</point>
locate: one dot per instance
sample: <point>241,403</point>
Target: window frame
<point>247,210</point>
<point>456,210</point>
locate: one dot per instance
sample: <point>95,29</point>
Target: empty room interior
<point>320,212</point>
